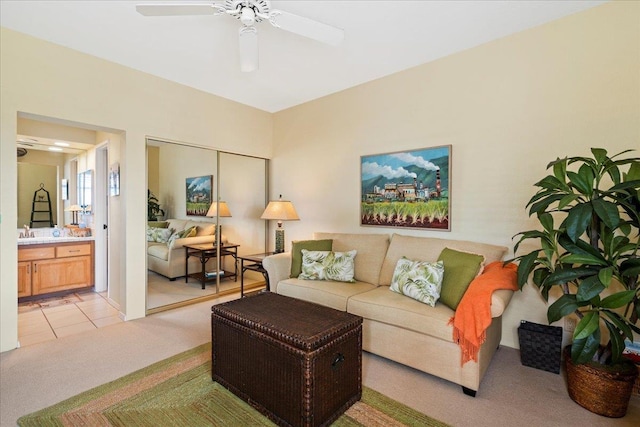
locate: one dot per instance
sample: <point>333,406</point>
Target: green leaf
<point>587,325</point>
<point>582,350</point>
<point>567,200</point>
<point>540,275</point>
<point>581,182</point>
<point>605,276</point>
<point>617,300</point>
<point>578,220</point>
<point>617,342</point>
<point>566,275</point>
<point>625,186</point>
<point>619,322</point>
<point>600,154</point>
<point>543,204</point>
<point>546,220</point>
<point>633,173</point>
<point>588,289</point>
<point>630,267</point>
<point>583,259</point>
<point>607,211</point>
<point>579,247</point>
<point>564,306</point>
<point>560,170</point>
<point>524,268</point>
<point>550,182</point>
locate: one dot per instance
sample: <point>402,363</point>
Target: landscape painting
<point>199,195</point>
<point>408,189</point>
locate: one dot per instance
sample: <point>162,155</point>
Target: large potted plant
<point>589,249</point>
<point>153,207</point>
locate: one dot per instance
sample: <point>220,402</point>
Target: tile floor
<point>53,318</point>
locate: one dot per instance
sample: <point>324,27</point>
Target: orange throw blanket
<point>473,315</point>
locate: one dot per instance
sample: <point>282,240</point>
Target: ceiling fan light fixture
<point>248,16</point>
<point>248,49</point>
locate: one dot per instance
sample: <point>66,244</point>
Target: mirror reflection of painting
<point>199,195</point>
<point>406,189</point>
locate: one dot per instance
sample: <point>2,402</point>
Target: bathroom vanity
<point>54,265</point>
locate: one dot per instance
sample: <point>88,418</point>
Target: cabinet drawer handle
<point>74,250</point>
<point>35,267</point>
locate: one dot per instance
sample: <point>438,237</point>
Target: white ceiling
<point>381,38</point>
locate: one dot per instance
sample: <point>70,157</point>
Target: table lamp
<point>74,209</point>
<point>222,212</point>
<point>280,210</point>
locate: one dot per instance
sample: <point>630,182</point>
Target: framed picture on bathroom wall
<point>199,195</point>
<point>407,189</point>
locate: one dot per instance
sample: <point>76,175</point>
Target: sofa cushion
<point>189,232</point>
<point>202,228</point>
<point>160,235</point>
<point>428,249</point>
<point>460,268</point>
<point>327,265</point>
<point>177,224</point>
<point>371,249</point>
<point>328,293</point>
<point>382,305</point>
<point>158,224</point>
<point>311,245</point>
<point>420,280</point>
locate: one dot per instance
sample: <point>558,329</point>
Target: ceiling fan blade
<point>179,9</point>
<point>306,27</point>
<point>248,49</point>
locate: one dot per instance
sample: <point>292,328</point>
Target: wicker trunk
<point>298,363</point>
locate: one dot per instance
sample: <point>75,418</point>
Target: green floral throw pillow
<point>311,245</point>
<point>160,235</point>
<point>419,280</point>
<point>327,265</point>
<point>189,232</point>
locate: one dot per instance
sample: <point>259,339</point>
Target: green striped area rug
<point>178,391</point>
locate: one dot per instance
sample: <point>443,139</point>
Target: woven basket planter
<point>598,390</point>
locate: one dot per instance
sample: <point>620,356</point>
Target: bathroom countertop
<point>45,240</point>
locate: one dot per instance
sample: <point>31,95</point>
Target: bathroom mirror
<point>85,189</point>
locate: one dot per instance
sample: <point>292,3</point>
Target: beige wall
<point>44,79</point>
<point>506,107</point>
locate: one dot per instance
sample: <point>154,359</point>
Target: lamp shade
<point>224,210</point>
<point>281,210</point>
<point>73,208</point>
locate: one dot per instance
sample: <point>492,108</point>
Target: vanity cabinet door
<point>24,279</point>
<point>54,275</point>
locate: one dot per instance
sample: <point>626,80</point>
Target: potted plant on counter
<point>589,249</point>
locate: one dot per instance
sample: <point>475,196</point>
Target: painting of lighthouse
<point>408,189</point>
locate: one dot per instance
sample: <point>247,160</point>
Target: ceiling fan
<point>250,12</point>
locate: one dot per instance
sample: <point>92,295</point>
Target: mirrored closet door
<point>203,223</point>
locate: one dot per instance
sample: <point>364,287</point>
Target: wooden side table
<point>254,263</point>
<point>205,252</point>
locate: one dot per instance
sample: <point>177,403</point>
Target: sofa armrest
<point>499,301</point>
<point>278,268</point>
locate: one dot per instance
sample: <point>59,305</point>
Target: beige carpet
<point>34,377</point>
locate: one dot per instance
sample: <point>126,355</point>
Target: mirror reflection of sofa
<point>165,245</point>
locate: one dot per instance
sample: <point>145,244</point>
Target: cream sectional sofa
<point>395,326</point>
<point>169,260</point>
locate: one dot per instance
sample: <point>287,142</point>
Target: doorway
<point>79,149</point>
